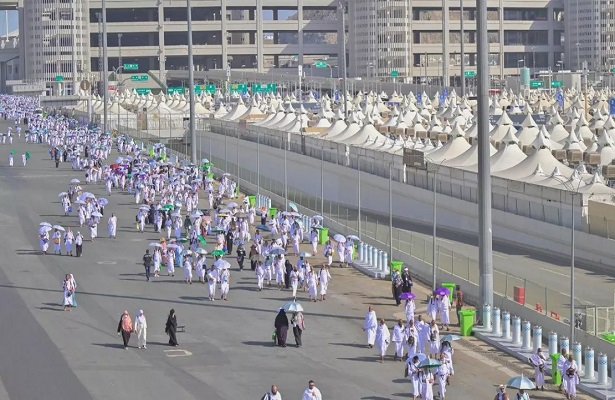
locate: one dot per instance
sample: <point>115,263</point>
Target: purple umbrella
<point>441,291</point>
<point>407,296</point>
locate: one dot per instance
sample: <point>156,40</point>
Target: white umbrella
<point>79,202</point>
<point>305,254</point>
<point>155,245</point>
<point>277,251</point>
<point>232,204</point>
<point>172,246</point>
<point>293,306</point>
<point>353,238</point>
<point>96,214</point>
<point>339,238</point>
<point>102,201</point>
<point>44,229</point>
<point>318,218</point>
<point>176,215</point>
<point>187,252</point>
<point>201,251</point>
<point>45,224</point>
<point>293,206</point>
<point>225,211</point>
<point>221,264</point>
<point>62,194</point>
<point>144,207</point>
<point>521,382</point>
<point>75,180</point>
<point>58,227</point>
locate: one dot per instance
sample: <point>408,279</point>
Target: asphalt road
<point>226,352</point>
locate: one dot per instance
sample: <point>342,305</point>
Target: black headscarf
<point>281,319</point>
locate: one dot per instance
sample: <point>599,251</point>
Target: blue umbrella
<point>521,382</point>
<point>263,228</point>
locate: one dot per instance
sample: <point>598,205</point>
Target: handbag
<point>70,209</point>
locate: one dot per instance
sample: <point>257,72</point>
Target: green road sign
<point>144,91</point>
<point>613,70</point>
<point>272,87</point>
<point>211,88</point>
<point>59,78</point>
<point>536,84</point>
<point>264,87</point>
<point>469,74</point>
<point>131,67</point>
<point>321,64</point>
<point>394,73</point>
<point>175,89</point>
<point>239,87</point>
<point>139,78</point>
<point>557,84</point>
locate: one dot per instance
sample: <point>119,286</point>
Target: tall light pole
<point>463,60</point>
<point>342,7</point>
<point>485,238</point>
<point>434,169</point>
<point>192,129</point>
<point>445,44</point>
<point>105,67</point>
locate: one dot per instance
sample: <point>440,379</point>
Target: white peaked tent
<point>469,157</point>
<point>368,131</point>
<point>542,157</point>
<point>452,149</point>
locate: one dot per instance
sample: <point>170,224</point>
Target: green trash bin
<point>272,212</point>
<point>451,289</point>
<point>323,235</point>
<point>252,200</point>
<point>556,376</point>
<point>397,266</point>
<point>467,322</point>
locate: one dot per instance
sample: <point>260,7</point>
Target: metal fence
<point>591,318</point>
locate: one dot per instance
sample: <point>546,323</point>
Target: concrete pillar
<point>506,325</point>
<point>374,257</point>
<point>577,355</point>
<point>526,335</point>
<point>487,316</point>
<point>368,258</point>
<point>516,330</point>
<point>589,364</point>
<point>496,329</point>
<point>385,264</point>
<point>223,29</point>
<point>537,338</point>
<point>552,343</point>
<point>380,260</point>
<point>603,369</point>
<point>361,251</point>
<point>161,52</point>
<point>259,37</point>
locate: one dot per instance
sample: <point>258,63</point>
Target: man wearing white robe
<point>572,377</point>
<point>538,360</point>
<point>212,278</point>
<point>383,339</point>
<point>370,325</point>
<point>413,373</point>
<point>442,374</point>
<point>398,339</point>
<point>411,345</point>
<point>563,358</point>
<point>112,226</point>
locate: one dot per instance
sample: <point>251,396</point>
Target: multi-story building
<point>407,37</point>
<point>54,40</point>
<point>256,35</point>
<point>590,34</point>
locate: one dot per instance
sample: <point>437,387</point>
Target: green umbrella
<point>182,240</point>
<point>168,207</point>
<point>27,155</point>
<point>202,240</point>
<point>217,253</point>
<point>217,230</point>
<point>13,152</point>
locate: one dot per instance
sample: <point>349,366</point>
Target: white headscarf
<point>140,317</point>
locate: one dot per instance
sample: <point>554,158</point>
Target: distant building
<point>406,36</point>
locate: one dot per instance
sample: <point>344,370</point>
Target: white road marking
<point>554,272</point>
<point>499,256</point>
<point>106,262</point>
<point>177,353</point>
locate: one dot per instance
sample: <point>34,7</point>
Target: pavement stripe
<point>3,393</point>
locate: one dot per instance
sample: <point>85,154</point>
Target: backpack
<point>411,341</point>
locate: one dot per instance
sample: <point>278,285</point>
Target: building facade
<point>407,37</point>
<point>590,27</point>
<point>255,35</point>
<point>54,37</point>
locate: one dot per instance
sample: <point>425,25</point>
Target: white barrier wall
<point>409,202</point>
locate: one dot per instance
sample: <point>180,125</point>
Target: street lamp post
<point>191,78</point>
<point>573,193</point>
<point>105,67</point>
<point>519,72</point>
<point>434,169</point>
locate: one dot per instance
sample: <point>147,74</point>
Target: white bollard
<point>361,251</point>
<point>516,330</point>
<point>268,203</point>
<point>380,260</point>
<point>374,257</point>
<point>526,335</point>
<point>564,344</point>
<point>577,355</point>
<point>589,363</point>
<point>603,369</point>
<point>368,255</point>
<point>385,264</point>
<point>537,338</point>
<point>506,325</point>
<point>552,343</point>
<point>487,316</point>
<point>496,329</point>
<point>613,374</point>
